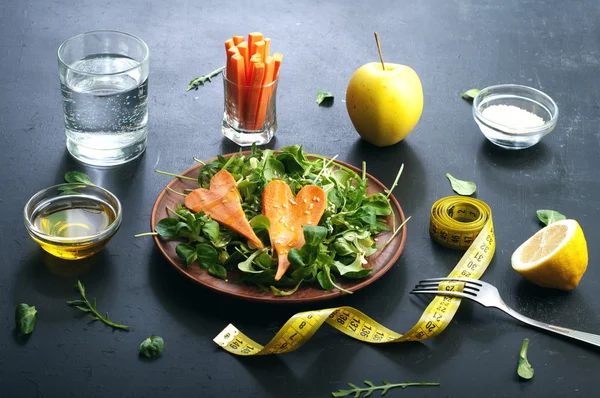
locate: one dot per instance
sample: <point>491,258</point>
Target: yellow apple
<point>384,105</point>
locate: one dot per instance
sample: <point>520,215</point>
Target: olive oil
<point>71,226</point>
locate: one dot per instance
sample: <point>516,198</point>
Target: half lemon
<point>556,256</point>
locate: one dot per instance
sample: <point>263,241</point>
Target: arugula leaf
<point>524,369</point>
<point>194,84</point>
<point>282,293</point>
<point>246,265</point>
<point>324,97</point>
<point>461,187</point>
<point>356,390</point>
<point>549,216</point>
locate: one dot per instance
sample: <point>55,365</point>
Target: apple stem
<point>379,49</point>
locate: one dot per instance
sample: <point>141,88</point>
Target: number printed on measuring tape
<point>457,222</point>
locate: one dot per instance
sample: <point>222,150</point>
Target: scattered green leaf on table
<point>356,390</point>
<point>324,96</point>
<point>524,369</point>
<point>153,346</point>
<point>469,95</point>
<point>25,316</point>
<point>77,177</point>
<point>85,306</point>
<point>194,84</point>
<point>465,188</point>
<point>549,216</point>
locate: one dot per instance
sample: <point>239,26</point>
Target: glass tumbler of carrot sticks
<point>250,86</point>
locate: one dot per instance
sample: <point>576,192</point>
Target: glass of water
<point>104,84</point>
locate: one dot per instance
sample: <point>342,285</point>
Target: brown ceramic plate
<point>381,261</point>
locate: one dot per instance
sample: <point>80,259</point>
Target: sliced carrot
<point>265,93</point>
<point>230,52</point>
<point>228,44</point>
<point>256,78</point>
<point>259,48</point>
<point>277,57</point>
<point>237,39</point>
<point>267,47</point>
<point>252,39</point>
<point>287,215</point>
<point>223,204</point>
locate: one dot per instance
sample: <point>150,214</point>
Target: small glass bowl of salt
<point>514,116</point>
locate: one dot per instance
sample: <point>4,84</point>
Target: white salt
<point>512,116</point>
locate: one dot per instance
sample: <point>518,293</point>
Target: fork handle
<point>574,334</point>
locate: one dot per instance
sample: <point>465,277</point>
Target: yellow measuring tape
<point>456,222</point>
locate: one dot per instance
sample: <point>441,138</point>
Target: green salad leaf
<point>549,216</point>
<point>338,247</point>
<point>324,97</point>
<point>152,346</point>
<point>461,187</point>
<point>25,316</point>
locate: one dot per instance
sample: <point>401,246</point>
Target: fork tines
<point>432,286</point>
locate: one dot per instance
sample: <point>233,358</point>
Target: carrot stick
<point>257,76</point>
<point>267,47</point>
<point>265,93</point>
<point>260,49</point>
<point>237,39</point>
<point>252,39</point>
<point>277,58</point>
<point>243,49</point>
<point>239,91</point>
<point>230,52</point>
<point>228,44</point>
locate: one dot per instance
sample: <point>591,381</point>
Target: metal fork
<point>488,296</point>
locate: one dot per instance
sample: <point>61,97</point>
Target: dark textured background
<point>453,46</point>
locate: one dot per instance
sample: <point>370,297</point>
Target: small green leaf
<point>207,255</point>
<point>25,316</point>
<point>76,176</point>
<point>465,188</point>
<point>210,229</point>
<point>549,216</point>
<point>259,223</point>
<point>246,265</point>
<point>153,346</point>
<point>324,97</point>
<point>217,270</point>
<point>524,369</point>
<point>167,227</point>
<point>469,95</point>
<point>282,293</point>
<point>187,252</point>
<point>314,235</point>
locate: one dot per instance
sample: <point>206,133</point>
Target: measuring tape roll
<point>456,222</point>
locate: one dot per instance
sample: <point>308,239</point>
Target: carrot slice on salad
<point>287,215</point>
<point>222,202</point>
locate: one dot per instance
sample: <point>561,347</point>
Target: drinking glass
<point>104,84</point>
<point>249,116</point>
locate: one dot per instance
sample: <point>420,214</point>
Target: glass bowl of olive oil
<point>73,221</point>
